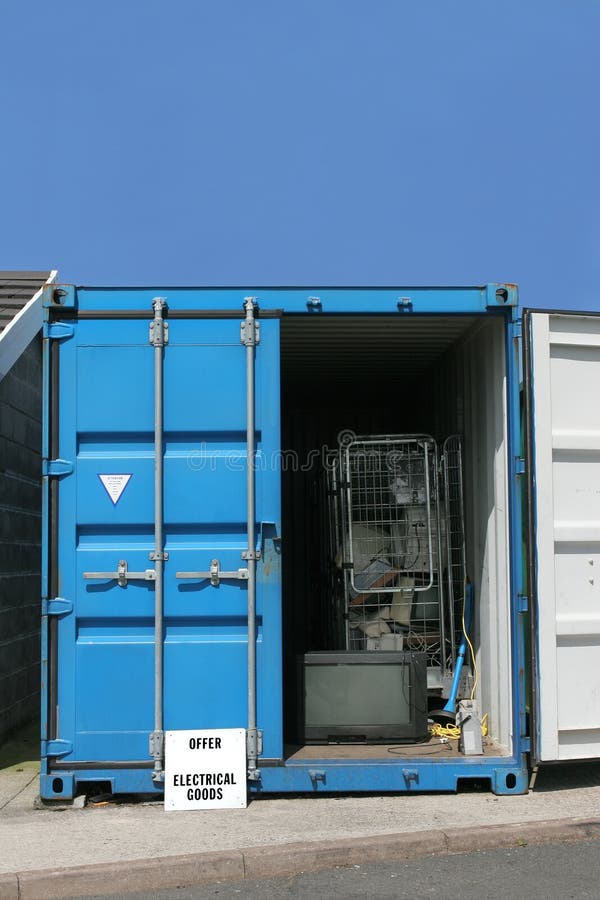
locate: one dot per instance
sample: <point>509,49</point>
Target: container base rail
<point>503,776</point>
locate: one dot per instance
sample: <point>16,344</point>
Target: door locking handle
<point>122,575</point>
<point>215,574</point>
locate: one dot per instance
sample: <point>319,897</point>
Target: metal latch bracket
<point>156,746</point>
<point>156,743</point>
<point>158,334</point>
<point>250,328</point>
<point>254,742</point>
<point>250,554</point>
<point>250,333</point>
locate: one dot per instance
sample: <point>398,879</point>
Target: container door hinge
<point>58,331</point>
<point>57,606</point>
<point>525,744</point>
<point>519,465</point>
<point>522,603</point>
<point>58,747</point>
<point>54,468</point>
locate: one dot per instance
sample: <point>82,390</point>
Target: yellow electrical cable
<point>450,731</point>
<point>447,731</point>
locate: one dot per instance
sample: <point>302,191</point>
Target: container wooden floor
<point>427,749</point>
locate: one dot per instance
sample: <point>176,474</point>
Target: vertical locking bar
<point>250,337</point>
<point>158,337</point>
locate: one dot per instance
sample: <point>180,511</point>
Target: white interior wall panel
<point>472,388</point>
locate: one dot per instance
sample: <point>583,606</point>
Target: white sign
<point>115,485</point>
<point>205,769</point>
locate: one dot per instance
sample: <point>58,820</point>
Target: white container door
<point>564,362</point>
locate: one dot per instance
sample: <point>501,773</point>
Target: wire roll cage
<point>393,557</point>
<point>396,540</point>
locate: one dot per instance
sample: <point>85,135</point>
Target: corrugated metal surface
<point>566,357</point>
<point>345,346</point>
<point>470,396</point>
<point>16,289</point>
<point>104,716</point>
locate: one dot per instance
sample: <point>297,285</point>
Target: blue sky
<point>329,142</point>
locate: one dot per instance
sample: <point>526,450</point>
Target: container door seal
<point>562,380</point>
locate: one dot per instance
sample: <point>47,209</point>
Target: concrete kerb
<point>9,887</point>
<point>137,875</point>
<point>282,860</point>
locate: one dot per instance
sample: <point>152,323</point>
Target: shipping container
<point>189,444</point>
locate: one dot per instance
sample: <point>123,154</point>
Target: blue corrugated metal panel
<point>105,695</point>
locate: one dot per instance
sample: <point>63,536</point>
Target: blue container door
<point>105,682</point>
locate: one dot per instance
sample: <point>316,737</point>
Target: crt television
<point>368,697</point>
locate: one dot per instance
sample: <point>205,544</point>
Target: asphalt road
<point>568,871</point>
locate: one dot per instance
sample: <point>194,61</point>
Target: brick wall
<point>20,539</point>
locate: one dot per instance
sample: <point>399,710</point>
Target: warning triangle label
<point>114,485</point>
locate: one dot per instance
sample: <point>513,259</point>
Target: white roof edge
<point>21,330</point>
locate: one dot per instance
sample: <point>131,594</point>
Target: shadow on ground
<point>567,776</point>
<point>22,748</point>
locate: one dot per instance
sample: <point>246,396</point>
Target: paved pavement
<point>283,833</point>
<point>546,872</point>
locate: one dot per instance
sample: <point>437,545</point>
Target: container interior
<point>382,375</point>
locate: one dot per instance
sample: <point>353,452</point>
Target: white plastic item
<point>386,642</point>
